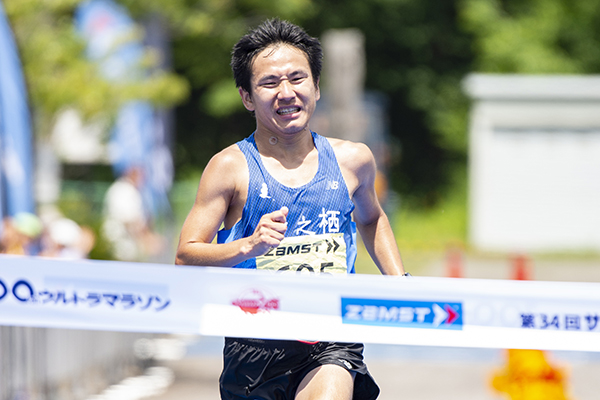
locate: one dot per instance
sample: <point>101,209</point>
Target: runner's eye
<point>298,79</point>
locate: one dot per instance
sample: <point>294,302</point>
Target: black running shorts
<point>256,369</point>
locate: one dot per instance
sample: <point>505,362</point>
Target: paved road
<point>405,372</point>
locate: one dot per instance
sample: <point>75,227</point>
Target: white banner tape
<point>118,296</point>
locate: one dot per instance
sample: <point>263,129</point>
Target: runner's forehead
<point>276,60</point>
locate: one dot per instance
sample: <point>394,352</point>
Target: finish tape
<point>119,296</point>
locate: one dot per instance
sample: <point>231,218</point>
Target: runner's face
<point>284,94</point>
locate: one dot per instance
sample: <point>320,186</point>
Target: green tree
<point>58,74</point>
<point>533,36</point>
<point>202,34</point>
<point>199,84</point>
<point>417,56</point>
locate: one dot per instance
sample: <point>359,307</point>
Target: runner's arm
<point>371,221</point>
<point>218,188</point>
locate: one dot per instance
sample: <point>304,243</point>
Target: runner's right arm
<point>220,199</point>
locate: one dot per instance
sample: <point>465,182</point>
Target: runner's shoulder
<point>228,161</point>
<point>352,155</point>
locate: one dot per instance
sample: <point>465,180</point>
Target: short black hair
<point>270,32</point>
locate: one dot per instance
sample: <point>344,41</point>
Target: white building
<point>534,162</point>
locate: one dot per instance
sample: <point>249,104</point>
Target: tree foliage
<point>418,52</point>
<point>202,33</point>
<point>416,56</point>
<point>533,36</point>
<point>214,117</point>
<point>59,75</point>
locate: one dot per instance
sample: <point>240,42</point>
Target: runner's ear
<point>246,99</point>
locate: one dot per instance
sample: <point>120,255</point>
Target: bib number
<point>311,254</point>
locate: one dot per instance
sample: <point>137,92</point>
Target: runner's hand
<point>269,232</point>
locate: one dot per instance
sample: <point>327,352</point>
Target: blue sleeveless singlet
<point>320,207</point>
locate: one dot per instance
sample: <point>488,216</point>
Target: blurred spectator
<point>87,241</point>
<point>126,225</point>
<point>19,234</point>
<point>64,238</point>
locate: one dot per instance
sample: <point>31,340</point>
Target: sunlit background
<point>483,115</point>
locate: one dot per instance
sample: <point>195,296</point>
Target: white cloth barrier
<point>104,295</point>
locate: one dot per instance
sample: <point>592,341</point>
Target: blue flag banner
<point>137,139</point>
<point>15,127</point>
<point>109,33</point>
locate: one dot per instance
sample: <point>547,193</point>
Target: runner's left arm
<point>371,221</point>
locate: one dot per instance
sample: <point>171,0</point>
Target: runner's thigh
<point>329,381</point>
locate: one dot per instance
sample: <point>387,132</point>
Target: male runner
<point>286,185</point>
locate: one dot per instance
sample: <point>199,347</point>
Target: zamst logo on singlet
<point>328,246</point>
<point>316,254</point>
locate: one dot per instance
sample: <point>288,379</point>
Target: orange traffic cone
<point>521,268</point>
<point>454,263</point>
<point>529,376</point>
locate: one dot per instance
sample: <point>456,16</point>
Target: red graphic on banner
<point>452,314</point>
<point>254,300</point>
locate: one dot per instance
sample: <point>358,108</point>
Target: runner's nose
<point>286,91</point>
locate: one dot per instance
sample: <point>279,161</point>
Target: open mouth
<point>288,110</point>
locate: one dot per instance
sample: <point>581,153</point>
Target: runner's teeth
<point>288,110</point>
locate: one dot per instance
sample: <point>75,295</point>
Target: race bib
<point>316,254</point>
